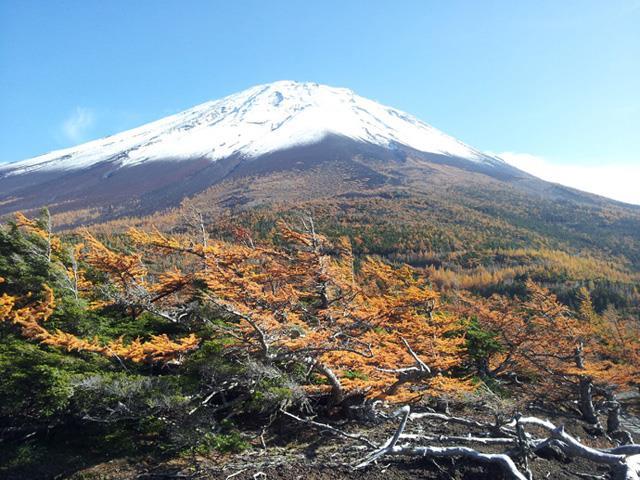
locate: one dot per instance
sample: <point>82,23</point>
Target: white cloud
<point>617,181</point>
<point>78,124</point>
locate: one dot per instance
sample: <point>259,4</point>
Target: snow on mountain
<point>259,120</point>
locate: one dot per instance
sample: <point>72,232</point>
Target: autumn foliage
<point>355,325</point>
<point>552,353</point>
<point>30,315</point>
<point>306,303</point>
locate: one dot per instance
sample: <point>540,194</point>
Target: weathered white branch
<point>410,374</point>
<point>421,365</point>
<point>336,387</point>
<point>446,418</point>
<point>392,441</point>
<point>625,462</point>
<point>392,448</point>
<point>501,459</point>
<point>460,439</point>
<point>624,450</point>
<point>324,426</point>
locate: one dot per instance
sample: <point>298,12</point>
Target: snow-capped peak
<point>259,120</point>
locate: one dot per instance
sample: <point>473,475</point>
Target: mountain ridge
<point>259,120</point>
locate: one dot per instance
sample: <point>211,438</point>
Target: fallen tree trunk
<point>623,461</point>
<point>392,448</point>
<point>502,460</point>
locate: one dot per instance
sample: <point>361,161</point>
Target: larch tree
<point>551,352</point>
<point>373,330</point>
<point>30,312</point>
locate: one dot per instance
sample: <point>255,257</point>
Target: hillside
<point>218,348</point>
<point>334,152</point>
<point>297,281</point>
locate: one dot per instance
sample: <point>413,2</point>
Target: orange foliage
<point>124,269</point>
<point>557,351</point>
<point>374,331</point>
<point>158,348</point>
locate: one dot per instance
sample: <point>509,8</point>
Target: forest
<point>230,347</point>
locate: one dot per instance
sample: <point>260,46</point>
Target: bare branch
<point>391,448</point>
<point>324,426</point>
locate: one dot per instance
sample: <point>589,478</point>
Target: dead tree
<point>516,435</point>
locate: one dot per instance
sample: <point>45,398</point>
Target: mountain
<point>242,134</point>
<point>257,121</point>
<point>290,145</point>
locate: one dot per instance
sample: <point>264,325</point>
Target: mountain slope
<point>327,149</point>
<point>162,162</point>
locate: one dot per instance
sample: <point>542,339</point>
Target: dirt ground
<point>307,455</point>
<point>301,469</point>
<point>296,451</point>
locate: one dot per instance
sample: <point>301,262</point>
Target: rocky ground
<point>291,450</point>
<point>308,454</point>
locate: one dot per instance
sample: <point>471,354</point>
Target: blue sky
<point>554,85</point>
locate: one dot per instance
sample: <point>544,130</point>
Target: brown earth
<point>300,452</point>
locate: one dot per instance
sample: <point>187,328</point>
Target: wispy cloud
<point>617,181</point>
<point>76,127</point>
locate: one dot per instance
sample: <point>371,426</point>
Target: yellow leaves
<point>52,242</point>
<point>159,241</point>
<point>159,348</point>
<point>165,244</point>
<point>543,341</point>
<point>27,318</point>
<point>119,266</point>
<point>6,306</point>
<point>70,342</point>
<point>29,225</point>
<point>293,236</point>
<point>126,272</point>
<point>305,302</point>
<point>170,282</point>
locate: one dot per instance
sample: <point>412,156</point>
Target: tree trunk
<point>586,401</point>
<point>337,394</point>
<point>613,418</point>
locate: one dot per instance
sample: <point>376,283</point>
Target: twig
<point>234,474</point>
<point>358,438</point>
